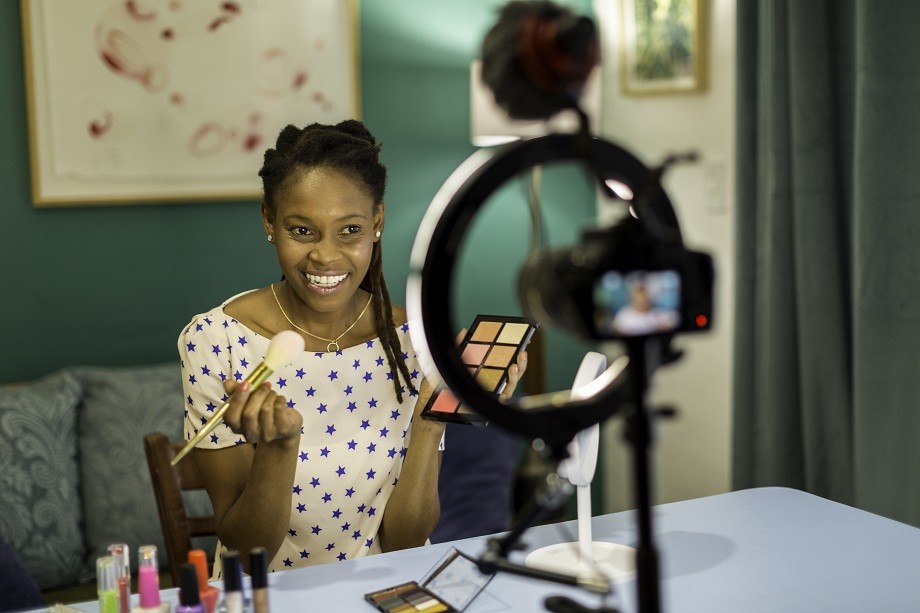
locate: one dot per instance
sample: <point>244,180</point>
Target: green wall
<point>113,285</point>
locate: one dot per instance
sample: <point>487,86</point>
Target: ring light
<point>432,271</point>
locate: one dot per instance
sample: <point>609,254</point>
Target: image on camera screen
<point>637,303</point>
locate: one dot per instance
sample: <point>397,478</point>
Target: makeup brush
<point>283,347</point>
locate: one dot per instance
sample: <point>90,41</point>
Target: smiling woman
<point>324,228</point>
<point>327,454</point>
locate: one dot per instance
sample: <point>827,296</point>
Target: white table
<point>774,550</point>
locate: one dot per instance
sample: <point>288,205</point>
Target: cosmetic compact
<point>489,348</point>
<point>449,587</point>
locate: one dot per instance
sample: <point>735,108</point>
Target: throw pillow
<point>120,406</point>
<point>39,487</point>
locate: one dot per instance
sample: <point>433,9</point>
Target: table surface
<point>765,549</point>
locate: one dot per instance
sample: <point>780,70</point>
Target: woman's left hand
<point>515,372</point>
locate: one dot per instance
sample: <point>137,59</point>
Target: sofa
<point>73,473</point>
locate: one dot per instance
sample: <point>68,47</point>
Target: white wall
<point>692,452</point>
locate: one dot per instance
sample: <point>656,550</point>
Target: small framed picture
<point>663,47</point>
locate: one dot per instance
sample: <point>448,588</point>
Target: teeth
<point>326,281</point>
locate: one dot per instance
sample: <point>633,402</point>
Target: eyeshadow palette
<point>408,598</point>
<point>449,587</point>
<point>490,347</point>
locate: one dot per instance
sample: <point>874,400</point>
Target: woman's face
<point>324,228</point>
<point>640,298</point>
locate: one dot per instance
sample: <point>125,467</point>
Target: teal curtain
<point>827,349</point>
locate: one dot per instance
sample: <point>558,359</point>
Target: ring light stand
<point>614,560</point>
<point>554,419</point>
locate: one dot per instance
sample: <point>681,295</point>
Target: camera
<point>620,282</point>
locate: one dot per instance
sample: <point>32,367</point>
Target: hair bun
<point>355,128</point>
<point>288,136</point>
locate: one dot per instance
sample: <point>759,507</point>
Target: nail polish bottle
<point>106,584</point>
<point>258,571</point>
<point>234,599</point>
<point>209,594</point>
<point>189,599</point>
<point>120,552</point>
<point>148,582</point>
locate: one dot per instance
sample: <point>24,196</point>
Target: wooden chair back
<point>168,484</point>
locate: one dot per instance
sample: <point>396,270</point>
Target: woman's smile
<point>326,283</point>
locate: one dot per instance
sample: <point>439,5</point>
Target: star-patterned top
<point>353,441</point>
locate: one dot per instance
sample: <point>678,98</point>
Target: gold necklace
<point>333,342</point>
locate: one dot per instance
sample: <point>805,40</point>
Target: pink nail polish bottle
<point>148,582</point>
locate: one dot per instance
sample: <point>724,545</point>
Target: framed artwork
<point>135,101</point>
<point>663,46</point>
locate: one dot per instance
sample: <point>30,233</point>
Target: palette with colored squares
<point>488,350</point>
<point>408,598</point>
<point>450,586</point>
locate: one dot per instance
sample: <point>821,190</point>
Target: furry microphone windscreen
<point>537,57</point>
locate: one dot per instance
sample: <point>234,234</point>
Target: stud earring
<point>377,234</point>
<point>270,238</point>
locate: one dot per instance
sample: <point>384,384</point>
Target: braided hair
<point>349,148</point>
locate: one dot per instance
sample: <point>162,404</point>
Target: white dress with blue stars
<point>353,440</point>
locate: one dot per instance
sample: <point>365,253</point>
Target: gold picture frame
<point>663,47</point>
<point>139,101</point>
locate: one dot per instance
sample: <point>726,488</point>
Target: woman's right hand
<point>260,415</point>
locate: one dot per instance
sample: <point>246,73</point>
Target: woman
<point>316,465</point>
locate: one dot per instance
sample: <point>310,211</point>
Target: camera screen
<point>637,303</point>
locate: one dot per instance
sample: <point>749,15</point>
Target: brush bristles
<point>283,348</point>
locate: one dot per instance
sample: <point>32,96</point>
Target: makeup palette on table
<point>490,347</point>
<point>449,587</point>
